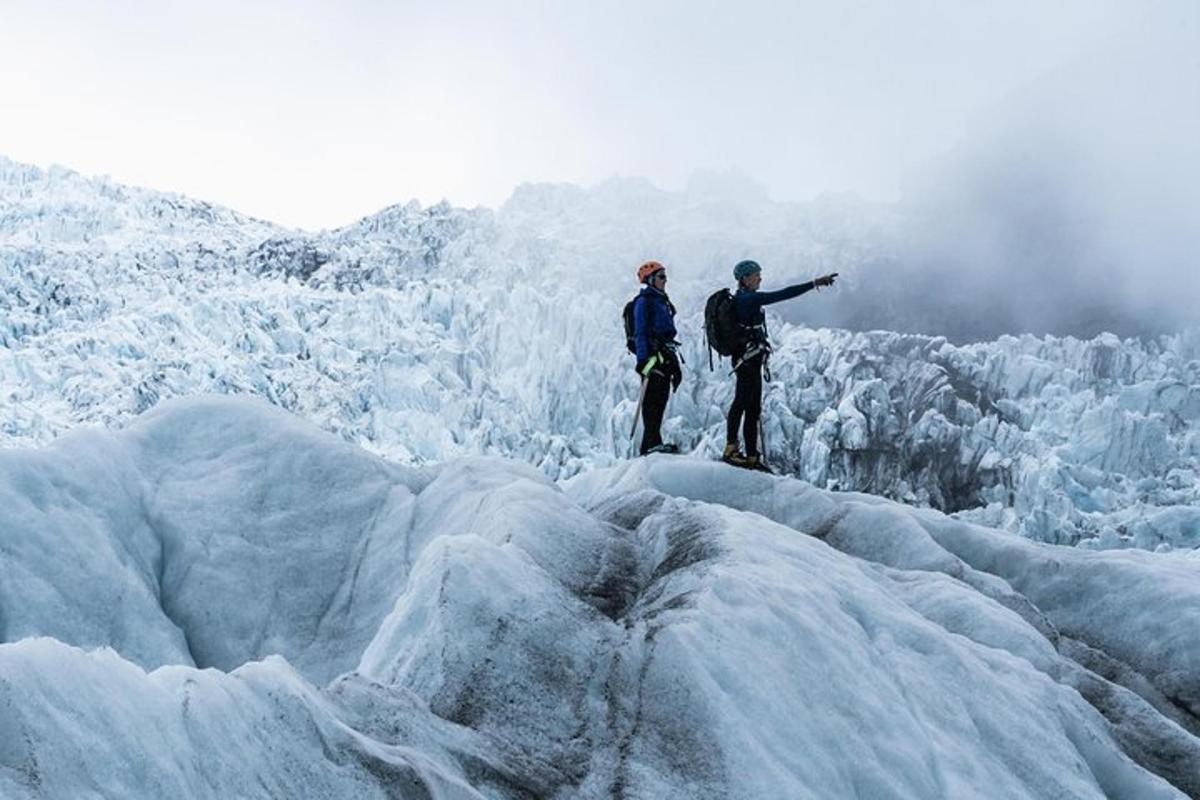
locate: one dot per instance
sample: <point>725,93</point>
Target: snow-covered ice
<point>424,334</point>
<point>257,608</point>
<point>349,514</point>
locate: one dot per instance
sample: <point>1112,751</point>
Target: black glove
<point>670,367</point>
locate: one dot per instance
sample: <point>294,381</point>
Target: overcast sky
<point>313,114</point>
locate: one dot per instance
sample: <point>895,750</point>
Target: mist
<point>970,169</point>
<point>1072,208</point>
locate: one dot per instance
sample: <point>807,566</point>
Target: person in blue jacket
<point>750,357</point>
<point>655,345</point>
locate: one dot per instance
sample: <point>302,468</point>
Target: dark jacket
<point>748,307</point>
<point>653,322</point>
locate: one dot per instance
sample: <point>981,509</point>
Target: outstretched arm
<point>787,293</point>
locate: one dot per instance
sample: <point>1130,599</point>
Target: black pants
<point>658,389</point>
<point>747,405</point>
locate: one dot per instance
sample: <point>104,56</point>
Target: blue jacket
<point>748,304</point>
<point>653,322</point>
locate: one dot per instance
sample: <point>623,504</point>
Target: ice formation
<point>431,333</point>
<point>258,609</point>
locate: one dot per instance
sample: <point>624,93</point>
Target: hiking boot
<point>737,460</point>
<point>756,463</point>
<point>732,454</point>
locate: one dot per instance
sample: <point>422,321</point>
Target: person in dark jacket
<point>657,364</point>
<point>750,358</point>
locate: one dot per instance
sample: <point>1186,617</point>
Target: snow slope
<point>425,334</point>
<point>222,578</point>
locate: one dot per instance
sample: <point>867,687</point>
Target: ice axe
<point>637,412</point>
<point>751,352</point>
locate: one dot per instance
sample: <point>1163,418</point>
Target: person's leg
<point>658,390</point>
<point>736,409</point>
<point>753,404</point>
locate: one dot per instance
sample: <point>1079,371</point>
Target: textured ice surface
<point>431,333</point>
<point>258,609</point>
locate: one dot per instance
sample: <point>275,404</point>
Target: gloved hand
<point>826,280</point>
<point>644,368</point>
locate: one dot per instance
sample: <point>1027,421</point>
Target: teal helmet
<point>744,269</point>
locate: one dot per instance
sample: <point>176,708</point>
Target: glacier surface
<point>424,334</point>
<point>261,609</point>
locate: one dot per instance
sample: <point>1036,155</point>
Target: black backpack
<point>627,316</point>
<point>721,327</point>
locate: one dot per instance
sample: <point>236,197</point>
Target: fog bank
<point>1073,208</point>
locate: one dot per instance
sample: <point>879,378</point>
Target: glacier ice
<point>666,627</point>
<point>430,333</point>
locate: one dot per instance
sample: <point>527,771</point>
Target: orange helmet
<point>648,269</point>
